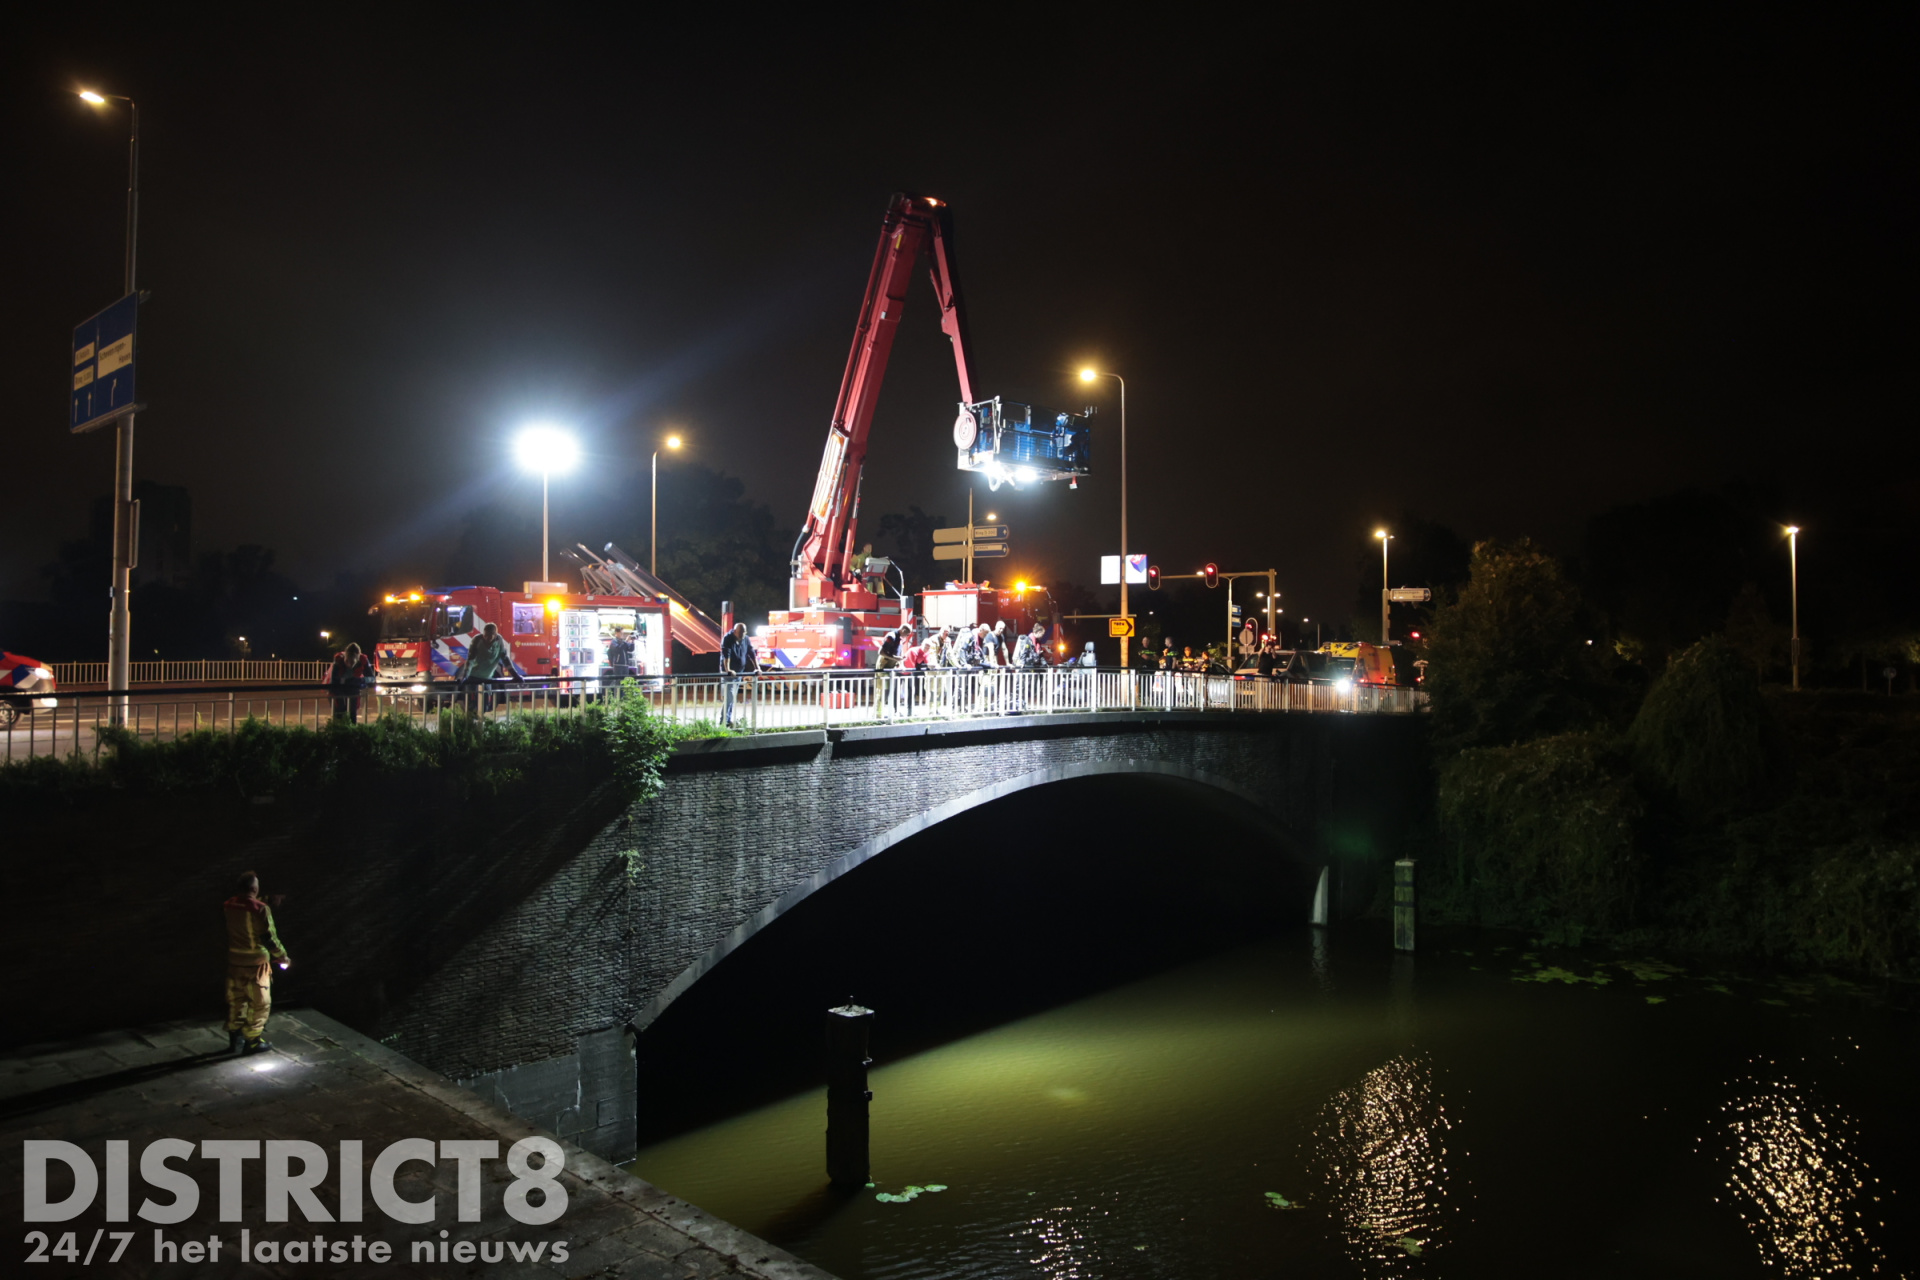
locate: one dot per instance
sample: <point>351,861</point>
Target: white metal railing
<point>766,703</point>
<point>217,671</point>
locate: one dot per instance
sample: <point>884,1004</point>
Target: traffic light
<point>1211,573</point>
<point>1153,577</point>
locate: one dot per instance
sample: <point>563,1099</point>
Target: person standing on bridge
<point>736,660</point>
<point>1030,651</point>
<point>351,672</point>
<point>884,661</point>
<point>486,657</point>
<point>253,951</point>
<point>620,654</point>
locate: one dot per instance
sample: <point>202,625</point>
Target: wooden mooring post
<point>1403,905</point>
<point>849,1130</point>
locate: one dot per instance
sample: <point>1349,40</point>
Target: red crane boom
<point>823,575</point>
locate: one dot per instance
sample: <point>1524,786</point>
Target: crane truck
<point>838,606</point>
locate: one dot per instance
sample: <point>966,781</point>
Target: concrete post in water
<point>848,1128</point>
<point>1403,907</point>
<point>1320,899</point>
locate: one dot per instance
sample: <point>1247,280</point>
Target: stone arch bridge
<point>538,1007</point>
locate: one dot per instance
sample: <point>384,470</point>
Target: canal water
<point>1280,1101</point>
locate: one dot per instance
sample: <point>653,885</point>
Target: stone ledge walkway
<point>324,1082</point>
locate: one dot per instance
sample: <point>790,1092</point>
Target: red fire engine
<point>425,633</point>
<point>838,605</point>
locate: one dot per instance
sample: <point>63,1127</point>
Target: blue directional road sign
<point>103,366</point>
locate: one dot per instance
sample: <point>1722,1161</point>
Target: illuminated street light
<point>545,449</point>
<point>1385,538</point>
<point>119,618</point>
<point>1793,569</point>
<point>1090,375</point>
<point>653,519</point>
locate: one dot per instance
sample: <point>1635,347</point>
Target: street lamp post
<point>653,517</point>
<point>1385,538</point>
<point>1088,375</point>
<point>120,620</point>
<point>1793,571</point>
<point>546,450</point>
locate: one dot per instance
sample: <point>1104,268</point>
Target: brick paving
<point>324,1083</point>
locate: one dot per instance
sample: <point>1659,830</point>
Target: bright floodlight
<point>546,450</point>
<point>88,95</point>
<point>1793,528</point>
<point>673,442</point>
<point>1379,533</point>
<point>1088,375</point>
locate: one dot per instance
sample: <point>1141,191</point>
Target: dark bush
<point>1543,833</point>
<point>1703,731</point>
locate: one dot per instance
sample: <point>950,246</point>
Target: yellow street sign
<point>1120,627</point>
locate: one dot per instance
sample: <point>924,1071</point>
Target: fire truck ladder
<point>615,573</point>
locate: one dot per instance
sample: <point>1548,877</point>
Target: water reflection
<point>1380,1147</point>
<point>1322,961</point>
<point>1797,1182</point>
<point>1056,1246</point>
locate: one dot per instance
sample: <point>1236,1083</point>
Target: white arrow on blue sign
<point>103,366</point>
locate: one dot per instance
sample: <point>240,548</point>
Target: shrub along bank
<point>470,758</point>
<point>1718,818</point>
<point>392,843</point>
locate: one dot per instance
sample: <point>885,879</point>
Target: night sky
<point>1505,269</point>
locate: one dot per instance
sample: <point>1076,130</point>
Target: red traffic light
<point>1212,574</point>
<point>1153,577</point>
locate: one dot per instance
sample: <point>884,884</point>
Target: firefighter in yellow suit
<point>253,949</point>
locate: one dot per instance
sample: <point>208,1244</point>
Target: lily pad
<point>1410,1245</point>
<point>1277,1201</point>
<point>888,1197</point>
<point>1554,973</point>
<point>1656,999</point>
<point>1650,970</point>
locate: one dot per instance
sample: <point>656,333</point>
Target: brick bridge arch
<point>538,1010</point>
<point>1294,842</point>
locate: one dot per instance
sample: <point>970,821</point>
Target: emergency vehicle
<point>838,603</point>
<point>425,633</point>
<point>1372,663</point>
<point>967,604</point>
